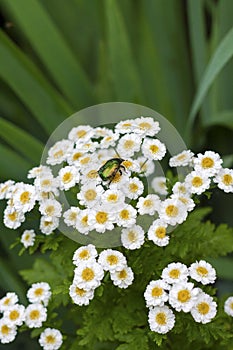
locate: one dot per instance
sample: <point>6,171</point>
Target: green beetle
<point>109,170</point>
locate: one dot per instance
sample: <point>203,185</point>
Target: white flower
<point>153,149</point>
<point>161,319</point>
<point>131,165</point>
<point>68,177</point>
<point>125,126</point>
<point>85,253</point>
<point>157,233</point>
<point>204,309</point>
<point>24,197</point>
<point>82,222</point>
<point>39,293</point>
<point>149,204</point>
<point>198,182</point>
<point>85,161</point>
<point>90,174</point>
<point>147,166</point>
<point>209,163</point>
<point>90,194</point>
<point>182,296</point>
<point>48,225</point>
<point>71,215</point>
<point>50,208</point>
<point>100,220</point>
<point>134,188</point>
<point>112,260</point>
<point>172,211</point>
<point>35,315</point>
<point>81,133</point>
<point>5,188</point>
<point>88,275</point>
<point>8,300</point>
<point>128,145</point>
<point>38,171</point>
<point>224,180</point>
<point>155,293</point>
<point>228,306</point>
<point>28,238</point>
<point>203,272</point>
<point>50,339</point>
<point>159,185</point>
<point>185,200</point>
<point>109,140</point>
<point>13,218</point>
<point>146,126</point>
<point>112,200</point>
<point>184,158</point>
<point>14,315</point>
<point>89,146</point>
<point>175,273</point>
<point>127,216</point>
<point>182,189</point>
<point>119,181</point>
<point>7,332</point>
<point>79,295</point>
<point>123,278</point>
<point>133,237</point>
<point>59,152</point>
<point>74,156</point>
<point>46,183</point>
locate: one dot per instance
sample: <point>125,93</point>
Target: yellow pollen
<point>184,296</point>
<point>202,271</point>
<point>108,138</point>
<point>77,155</point>
<point>92,174</point>
<point>133,187</point>
<point>160,232</point>
<point>13,216</point>
<point>172,210</point>
<point>112,259</point>
<point>148,203</point>
<point>154,148</point>
<point>197,181</point>
<point>122,274</point>
<point>128,144</point>
<point>203,308</point>
<point>182,189</point>
<point>5,329</point>
<point>227,179</point>
<point>90,195</point>
<point>58,154</point>
<point>67,177</point>
<point>49,210</point>
<point>183,200</point>
<point>47,223</point>
<point>117,177</point>
<point>84,220</point>
<point>39,292</point>
<point>161,318</point>
<point>81,133</point>
<point>127,163</point>
<point>7,301</point>
<point>101,217</point>
<point>88,274</point>
<point>207,163</point>
<point>124,214</point>
<point>156,292</point>
<point>126,125</point>
<point>25,197</point>
<point>50,339</point>
<point>132,236</point>
<point>73,216</point>
<point>34,314</point>
<point>80,291</point>
<point>85,160</point>
<point>175,273</point>
<point>112,197</point>
<point>144,126</point>
<point>231,306</point>
<point>27,237</point>
<point>4,188</point>
<point>14,315</point>
<point>46,182</point>
<point>84,254</point>
<point>181,157</point>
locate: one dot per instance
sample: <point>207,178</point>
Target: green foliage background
<point>57,57</point>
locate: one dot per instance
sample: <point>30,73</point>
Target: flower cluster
<point>182,295</point>
<point>90,269</point>
<point>33,316</point>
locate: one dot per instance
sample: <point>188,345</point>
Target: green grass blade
<point>224,267</point>
<point>49,44</point>
<point>224,118</point>
<point>30,86</point>
<point>21,141</point>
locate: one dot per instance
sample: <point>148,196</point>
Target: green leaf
<point>224,267</point>
<point>223,118</point>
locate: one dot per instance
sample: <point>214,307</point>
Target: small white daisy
<point>203,272</point>
<point>209,163</point>
<point>81,133</point>
<point>112,260</point>
<point>204,309</point>
<point>228,306</point>
<point>153,149</point>
<point>14,315</point>
<point>172,211</point>
<point>129,144</point>
<point>90,194</point>
<point>5,188</point>
<point>182,296</point>
<point>181,189</point>
<point>28,238</point>
<point>79,295</point>
<point>50,208</point>
<point>89,146</point>
<point>155,293</point>
<point>157,233</point>
<point>101,220</point>
<point>90,174</point>
<point>147,166</point>
<point>125,126</point>
<point>8,300</point>
<point>7,332</point>
<point>46,183</point>
<point>126,217</point>
<point>74,156</point>
<point>85,161</point>
<point>48,225</point>
<point>159,185</point>
<point>123,278</point>
<point>68,177</point>
<point>185,200</point>
<point>184,158</point>
<point>50,339</point>
<point>13,218</point>
<point>198,182</point>
<point>133,237</point>
<point>35,315</point>
<point>88,275</point>
<point>131,165</point>
<point>149,204</point>
<point>224,180</point>
<point>59,152</point>
<point>82,222</point>
<point>24,197</point>
<point>39,293</point>
<point>161,319</point>
<point>109,140</point>
<point>134,188</point>
<point>71,215</point>
<point>112,200</point>
<point>175,273</point>
<point>85,253</point>
<point>146,126</point>
<point>37,171</point>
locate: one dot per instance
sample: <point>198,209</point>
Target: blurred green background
<point>57,57</point>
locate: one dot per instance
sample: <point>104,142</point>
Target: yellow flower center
<point>174,273</point>
<point>58,154</point>
<point>231,306</point>
<point>160,232</point>
<point>84,254</point>
<point>3,189</point>
<point>80,291</point>
<point>39,292</point>
<point>112,259</point>
<point>88,274</point>
<point>77,155</point>
<point>27,237</point>
<point>172,210</point>
<point>46,182</point>
<point>7,301</point>
<point>184,295</point>
<point>50,339</point>
<point>161,318</point>
<point>13,216</point>
<point>181,157</point>
<point>207,163</point>
<point>122,274</point>
<point>154,148</point>
<point>133,187</point>
<point>73,216</point>
<point>132,236</point>
<point>156,292</point>
<point>49,210</point>
<point>85,160</point>
<point>81,133</point>
<point>67,177</point>
<point>34,314</point>
<point>5,330</point>
<point>127,163</point>
<point>126,125</point>
<point>148,203</point>
<point>128,144</point>
<point>101,217</point>
<point>90,195</point>
<point>84,220</point>
<point>227,179</point>
<point>183,200</point>
<point>92,174</point>
<point>144,126</point>
<point>117,177</point>
<point>124,214</point>
<point>14,315</point>
<point>112,197</point>
<point>47,223</point>
<point>197,181</point>
<point>25,197</point>
<point>202,271</point>
<point>203,308</point>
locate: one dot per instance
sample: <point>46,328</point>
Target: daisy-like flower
<point>59,151</point>
<point>24,197</point>
<point>90,194</point>
<point>123,278</point>
<point>185,200</point>
<point>14,315</point>
<point>204,309</point>
<point>224,180</point>
<point>134,188</point>
<point>203,272</point>
<point>175,273</point>
<point>126,217</point>
<point>109,140</point>
<point>7,332</point>
<point>82,222</point>
<point>50,208</point>
<point>68,177</point>
<point>8,300</point>
<point>85,253</point>
<point>228,306</point>
<point>74,156</point>
<point>81,133</point>
<point>153,149</point>
<point>133,237</point>
<point>149,204</point>
<point>112,200</point>
<point>88,275</point>
<point>155,293</point>
<point>147,166</point>
<point>159,185</point>
<point>161,319</point>
<point>131,165</point>
<point>13,218</point>
<point>209,163</point>
<point>85,161</point>
<point>35,315</point>
<point>146,126</point>
<point>48,225</point>
<point>129,144</point>
<point>181,189</point>
<point>198,182</point>
<point>112,260</point>
<point>28,238</point>
<point>157,233</point>
<point>182,296</point>
<point>50,339</point>
<point>184,158</point>
<point>46,183</point>
<point>90,174</point>
<point>86,147</point>
<point>5,187</point>
<point>39,293</point>
<point>71,215</point>
<point>37,171</point>
<point>125,126</point>
<point>172,211</point>
<point>79,295</point>
<point>100,220</point>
